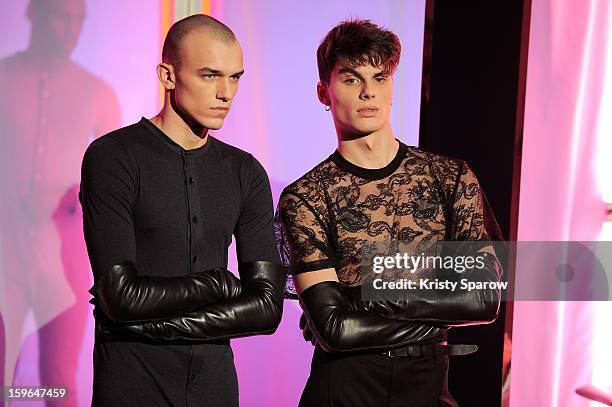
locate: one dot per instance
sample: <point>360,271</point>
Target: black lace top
<point>324,217</point>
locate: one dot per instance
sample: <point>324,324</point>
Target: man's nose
<point>367,91</point>
<point>224,90</point>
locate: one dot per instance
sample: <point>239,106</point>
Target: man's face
<point>360,98</point>
<point>57,25</point>
<point>206,79</point>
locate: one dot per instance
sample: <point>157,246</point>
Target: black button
<point>195,219</point>
<point>191,180</point>
<point>195,258</point>
<point>192,377</point>
<point>186,153</point>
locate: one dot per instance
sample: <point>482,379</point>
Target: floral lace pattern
<point>325,217</point>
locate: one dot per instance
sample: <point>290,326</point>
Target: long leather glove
<point>339,327</point>
<point>257,310</point>
<point>126,297</point>
<point>443,307</point>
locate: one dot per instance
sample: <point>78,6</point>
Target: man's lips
<point>368,111</point>
<point>220,111</point>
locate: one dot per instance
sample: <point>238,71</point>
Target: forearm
<point>126,297</point>
<point>451,306</point>
<point>257,310</point>
<point>339,327</point>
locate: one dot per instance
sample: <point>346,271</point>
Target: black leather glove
<point>126,297</point>
<point>443,307</point>
<point>257,310</point>
<point>339,327</point>
<point>306,331</point>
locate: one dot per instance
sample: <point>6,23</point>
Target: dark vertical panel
<point>472,108</point>
<point>518,145</point>
<point>426,79</point>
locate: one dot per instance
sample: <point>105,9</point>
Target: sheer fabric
<point>325,218</point>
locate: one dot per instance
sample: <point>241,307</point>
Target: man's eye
<point>235,78</point>
<point>351,81</point>
<point>381,79</point>
<point>208,75</point>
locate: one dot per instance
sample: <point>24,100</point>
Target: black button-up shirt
<point>171,212</point>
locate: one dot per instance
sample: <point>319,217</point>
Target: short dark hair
<point>178,31</point>
<point>358,42</point>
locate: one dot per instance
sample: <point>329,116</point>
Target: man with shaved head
<point>161,200</point>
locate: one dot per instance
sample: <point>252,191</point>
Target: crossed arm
<point>204,305</point>
<point>340,324</point>
<point>338,317</point>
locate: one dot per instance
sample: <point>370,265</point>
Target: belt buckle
<point>407,351</point>
<point>392,353</point>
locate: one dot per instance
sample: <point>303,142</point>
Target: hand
<point>306,332</point>
<point>113,331</point>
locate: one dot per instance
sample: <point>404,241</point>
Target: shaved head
<point>171,53</point>
<point>200,70</point>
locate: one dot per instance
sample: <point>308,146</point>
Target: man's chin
<point>363,128</point>
<point>366,131</point>
<point>215,124</point>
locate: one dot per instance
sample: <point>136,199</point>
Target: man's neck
<point>45,61</point>
<point>173,125</point>
<point>373,151</point>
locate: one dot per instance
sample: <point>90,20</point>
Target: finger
<point>306,334</point>
<point>313,339</point>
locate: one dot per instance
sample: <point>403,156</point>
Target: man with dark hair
<point>161,199</point>
<point>376,189</point>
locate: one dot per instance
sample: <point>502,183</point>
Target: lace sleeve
<point>302,240</point>
<point>472,217</point>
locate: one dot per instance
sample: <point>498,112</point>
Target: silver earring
<point>327,108</point>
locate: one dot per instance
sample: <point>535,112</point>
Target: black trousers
<point>376,380</point>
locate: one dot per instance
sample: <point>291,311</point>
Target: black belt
<point>430,349</point>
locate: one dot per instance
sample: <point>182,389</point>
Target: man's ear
<point>165,73</point>
<point>322,93</point>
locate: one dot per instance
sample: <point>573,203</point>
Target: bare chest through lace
<point>382,213</point>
